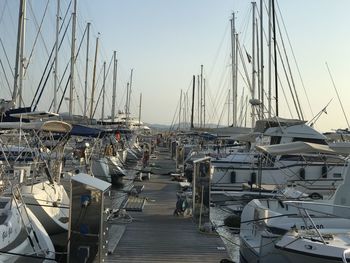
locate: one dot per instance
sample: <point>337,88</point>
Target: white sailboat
<point>297,231</point>
<point>285,167</point>
<point>23,236</point>
<point>39,176</point>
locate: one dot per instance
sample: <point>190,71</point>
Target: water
<point>231,240</point>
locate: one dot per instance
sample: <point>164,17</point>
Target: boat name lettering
<point>311,227</point>
<point>7,234</point>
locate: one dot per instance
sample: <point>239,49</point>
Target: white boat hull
<point>50,204</point>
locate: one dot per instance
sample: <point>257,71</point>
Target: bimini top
<point>262,125</point>
<point>96,131</point>
<point>295,147</point>
<point>34,115</point>
<point>50,126</point>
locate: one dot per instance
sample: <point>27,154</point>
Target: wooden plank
<point>156,235</point>
<point>115,234</point>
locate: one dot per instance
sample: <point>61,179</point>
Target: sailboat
<point>37,171</point>
<point>23,236</point>
<point>297,231</point>
<point>318,173</point>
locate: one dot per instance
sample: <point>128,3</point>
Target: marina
<point>174,131</point>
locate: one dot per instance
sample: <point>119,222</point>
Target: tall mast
<point>275,53</point>
<point>204,102</point>
<point>93,81</point>
<point>180,109</point>
<point>140,108</point>
<point>184,119</point>
<point>72,59</point>
<point>201,100</point>
<point>103,91</point>
<point>258,107</point>
<point>19,40</point>
<point>115,65</point>
<point>129,98</point>
<point>228,107</point>
<point>56,58</point>
<point>22,58</point>
<point>86,68</point>
<point>193,94</point>
<point>198,101</point>
<point>270,61</point>
<point>262,60</point>
<point>234,70</point>
<point>236,79</point>
<point>253,63</point>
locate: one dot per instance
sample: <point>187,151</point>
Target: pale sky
<point>166,41</point>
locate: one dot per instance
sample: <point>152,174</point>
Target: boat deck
<point>156,235</point>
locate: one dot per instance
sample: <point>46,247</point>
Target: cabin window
<point>3,204</point>
<point>275,140</point>
<point>337,175</point>
<point>296,158</point>
<point>312,140</point>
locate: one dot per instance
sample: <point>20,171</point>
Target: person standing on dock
<point>145,159</point>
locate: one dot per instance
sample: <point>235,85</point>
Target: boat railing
<point>342,211</point>
<point>314,227</point>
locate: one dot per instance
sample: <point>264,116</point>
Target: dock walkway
<point>156,235</point>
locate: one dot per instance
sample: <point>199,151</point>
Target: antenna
<point>335,88</point>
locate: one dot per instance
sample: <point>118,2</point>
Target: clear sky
<point>166,41</point>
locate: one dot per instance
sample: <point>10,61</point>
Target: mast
<point>253,63</point>
<point>140,109</point>
<point>275,53</point>
<point>234,70</point>
<point>236,79</point>
<point>56,58</point>
<point>22,59</point>
<point>86,68</point>
<point>103,91</point>
<point>270,62</point>
<point>193,94</point>
<point>184,120</point>
<point>115,64</point>
<point>204,103</point>
<point>19,40</point>
<point>93,81</point>
<point>201,100</point>
<point>129,98</point>
<point>258,108</point>
<point>180,109</point>
<point>261,61</point>
<point>198,102</point>
<point>228,107</point>
<point>72,59</point>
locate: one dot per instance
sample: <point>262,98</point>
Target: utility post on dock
<point>87,235</point>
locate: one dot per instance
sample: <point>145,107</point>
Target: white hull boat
<point>24,239</point>
<point>297,231</point>
<point>50,204</point>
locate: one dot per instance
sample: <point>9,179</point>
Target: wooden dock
<point>156,235</point>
